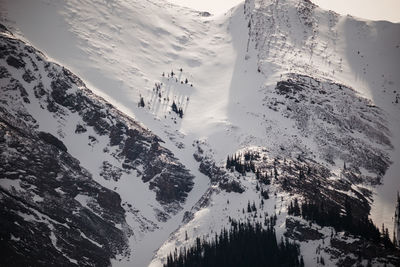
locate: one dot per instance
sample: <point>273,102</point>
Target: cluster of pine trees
<point>262,177</point>
<point>396,229</point>
<point>239,165</point>
<point>177,110</point>
<point>245,163</point>
<point>172,74</point>
<point>325,215</point>
<point>244,244</point>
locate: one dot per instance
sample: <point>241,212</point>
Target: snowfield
<point>225,74</point>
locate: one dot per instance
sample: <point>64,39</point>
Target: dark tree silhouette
<point>244,244</point>
<point>141,102</point>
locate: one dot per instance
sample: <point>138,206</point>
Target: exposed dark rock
<point>4,29</point>
<point>80,129</point>
<point>363,250</point>
<point>216,174</point>
<point>205,14</point>
<point>52,140</point>
<point>288,87</point>
<point>39,90</point>
<point>203,202</point>
<point>301,232</point>
<point>116,134</point>
<point>52,212</point>
<point>17,86</point>
<point>330,113</point>
<point>4,72</point>
<point>68,219</point>
<point>28,76</point>
<point>231,186</point>
<point>109,171</point>
<point>15,62</point>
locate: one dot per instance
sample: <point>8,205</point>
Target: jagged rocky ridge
<point>67,94</point>
<point>342,124</point>
<point>50,203</point>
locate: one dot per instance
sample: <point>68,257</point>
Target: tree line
<point>244,244</point>
<point>325,215</point>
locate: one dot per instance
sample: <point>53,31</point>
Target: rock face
<point>218,176</point>
<point>52,210</point>
<point>67,96</point>
<point>344,125</point>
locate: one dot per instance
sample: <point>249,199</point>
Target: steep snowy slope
<point>300,37</point>
<point>304,83</point>
<point>122,50</point>
<point>56,132</point>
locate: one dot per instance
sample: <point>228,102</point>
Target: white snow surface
<point>121,48</point>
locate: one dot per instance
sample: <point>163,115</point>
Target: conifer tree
<point>141,102</point>
<point>174,107</point>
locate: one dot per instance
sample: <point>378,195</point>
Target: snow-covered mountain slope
<point>89,140</point>
<point>268,194</point>
<point>305,83</point>
<point>122,50</point>
<point>299,37</point>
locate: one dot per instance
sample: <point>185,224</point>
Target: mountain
<point>192,118</point>
<point>68,158</point>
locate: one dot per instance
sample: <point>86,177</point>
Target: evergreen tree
<point>264,194</point>
<point>301,174</point>
<point>174,107</point>
<point>244,244</point>
<point>348,216</point>
<point>325,215</point>
<point>275,170</point>
<point>228,163</point>
<point>141,102</point>
<point>294,208</point>
<point>253,207</point>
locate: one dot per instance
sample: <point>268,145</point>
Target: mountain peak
<point>162,127</point>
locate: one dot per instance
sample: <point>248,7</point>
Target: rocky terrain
<point>143,127</point>
<point>340,123</point>
<point>342,236</point>
<point>54,211</point>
